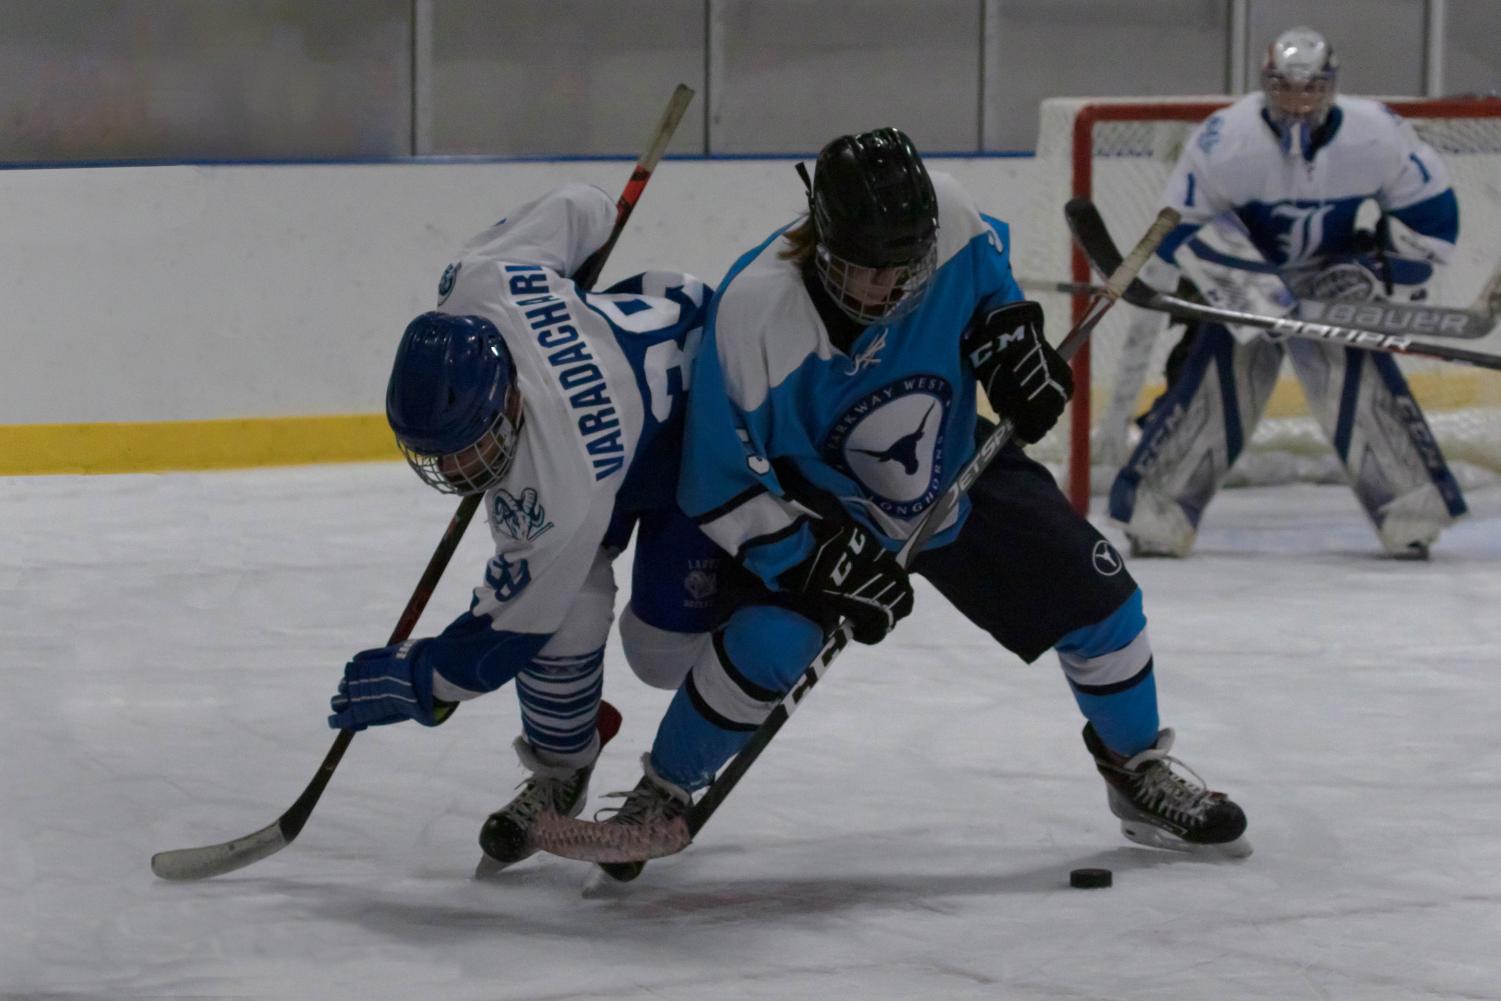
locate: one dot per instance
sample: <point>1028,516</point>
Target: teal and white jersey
<point>884,427</point>
<point>1300,210</point>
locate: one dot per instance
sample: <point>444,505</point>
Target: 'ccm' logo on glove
<point>981,354</point>
<point>1024,379</point>
<point>846,562</point>
<point>850,574</point>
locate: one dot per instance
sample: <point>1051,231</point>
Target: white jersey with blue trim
<point>603,377</point>
<point>883,427</point>
<point>1300,208</point>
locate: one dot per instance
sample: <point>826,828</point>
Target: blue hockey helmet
<point>453,402</point>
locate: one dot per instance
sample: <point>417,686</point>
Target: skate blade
<point>1153,837</point>
<point>488,867</point>
<point>598,884</point>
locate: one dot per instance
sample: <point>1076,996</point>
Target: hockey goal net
<point>1119,152</point>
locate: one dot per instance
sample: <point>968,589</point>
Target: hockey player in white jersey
<point>834,400</point>
<point>1269,189</point>
<point>564,408</point>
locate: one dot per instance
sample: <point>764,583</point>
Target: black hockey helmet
<point>873,207</point>
<point>872,201</point>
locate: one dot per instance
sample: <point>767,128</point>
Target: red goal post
<point>1118,152</point>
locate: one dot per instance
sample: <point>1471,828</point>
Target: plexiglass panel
<point>186,79</point>
<point>1379,42</point>
<point>1066,48</point>
<point>792,74</point>
<point>275,79</point>
<point>562,76</point>
<point>1472,47</point>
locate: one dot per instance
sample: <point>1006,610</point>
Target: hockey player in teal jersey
<point>834,400</point>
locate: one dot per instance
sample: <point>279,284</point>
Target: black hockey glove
<point>1024,379</point>
<point>850,574</point>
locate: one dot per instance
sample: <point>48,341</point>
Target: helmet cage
<point>875,218</point>
<point>477,467</point>
<point>875,294</point>
<point>1298,78</point>
<point>1293,100</point>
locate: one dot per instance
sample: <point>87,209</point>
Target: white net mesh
<point>1122,161</point>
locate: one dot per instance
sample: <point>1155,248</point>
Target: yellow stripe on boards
<point>151,446</point>
<point>1451,388</point>
<point>237,443</point>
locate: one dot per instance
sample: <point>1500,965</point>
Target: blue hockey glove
<point>1025,380</point>
<point>387,686</point>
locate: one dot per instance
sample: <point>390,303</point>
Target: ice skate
<point>654,799</point>
<point>1159,808</point>
<point>1406,541</point>
<point>504,837</point>
<point>1151,549</point>
<point>1410,525</point>
<point>1158,526</point>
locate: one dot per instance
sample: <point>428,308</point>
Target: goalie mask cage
<point>1120,151</point>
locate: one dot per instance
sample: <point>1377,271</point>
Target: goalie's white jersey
<point>1282,225</point>
<point>1300,209</point>
<point>603,377</point>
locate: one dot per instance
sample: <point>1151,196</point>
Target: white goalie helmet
<point>1298,78</point>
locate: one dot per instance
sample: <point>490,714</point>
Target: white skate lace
<point>637,810</point>
<point>537,794</point>
<point>1160,789</point>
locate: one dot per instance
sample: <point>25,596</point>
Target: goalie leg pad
<point>1361,401</point>
<point>1192,436</point>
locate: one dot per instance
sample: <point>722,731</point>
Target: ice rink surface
<point>168,645</point>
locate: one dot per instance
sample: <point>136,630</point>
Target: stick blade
<point>1091,234</point>
<point>1488,304</point>
<point>590,841</point>
<point>1093,237</point>
<point>184,864</point>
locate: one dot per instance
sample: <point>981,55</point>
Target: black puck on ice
<point>1090,879</point>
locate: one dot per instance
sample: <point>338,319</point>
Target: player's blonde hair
<point>801,240</point>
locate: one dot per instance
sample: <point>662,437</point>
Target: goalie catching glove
<point>1392,262</point>
<point>850,574</point>
<point>1025,380</point>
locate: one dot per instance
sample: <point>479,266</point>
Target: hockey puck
<point>1090,879</point>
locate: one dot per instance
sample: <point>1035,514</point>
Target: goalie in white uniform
<point>1269,189</point>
